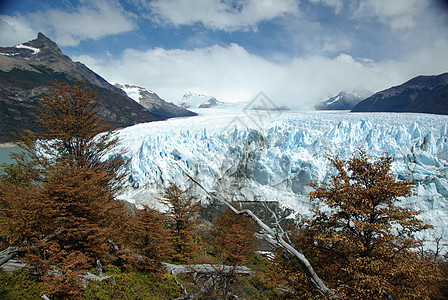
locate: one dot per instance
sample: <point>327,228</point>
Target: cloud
<point>336,4</point>
<point>233,74</point>
<point>397,14</point>
<point>230,15</point>
<point>310,37</point>
<point>90,20</point>
<point>13,30</point>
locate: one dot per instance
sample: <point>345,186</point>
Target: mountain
<point>344,100</point>
<point>158,107</point>
<point>422,94</point>
<point>27,69</point>
<point>193,100</point>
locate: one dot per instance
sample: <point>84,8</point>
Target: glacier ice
<point>266,156</point>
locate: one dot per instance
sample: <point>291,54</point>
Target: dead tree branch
<point>275,239</point>
<point>207,269</point>
<point>7,254</point>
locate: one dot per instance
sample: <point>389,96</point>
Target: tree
<point>20,214</point>
<point>147,234</point>
<point>73,134</point>
<point>276,240</point>
<point>61,190</point>
<point>360,241</point>
<point>79,136</point>
<point>234,237</point>
<point>180,221</point>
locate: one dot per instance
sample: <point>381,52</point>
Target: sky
<point>297,52</point>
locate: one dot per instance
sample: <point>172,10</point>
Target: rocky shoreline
<point>7,145</point>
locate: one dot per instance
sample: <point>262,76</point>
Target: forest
<point>65,235</point>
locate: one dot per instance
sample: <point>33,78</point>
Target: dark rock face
<point>158,107</point>
<point>422,94</point>
<point>26,71</point>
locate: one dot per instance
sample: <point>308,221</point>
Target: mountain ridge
<point>160,108</point>
<point>421,94</point>
<point>29,68</point>
<point>344,100</point>
<point>51,56</point>
<point>194,100</point>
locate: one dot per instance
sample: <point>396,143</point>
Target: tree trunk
<point>7,254</point>
<point>207,269</point>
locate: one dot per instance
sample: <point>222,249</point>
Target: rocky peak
<point>151,101</point>
<point>34,50</point>
<point>344,100</point>
<point>42,53</point>
<point>193,100</point>
<point>45,44</point>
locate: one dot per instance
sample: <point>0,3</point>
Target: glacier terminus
<point>270,156</point>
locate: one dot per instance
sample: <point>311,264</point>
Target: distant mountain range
<point>193,100</point>
<point>344,100</point>
<point>422,94</point>
<point>27,69</point>
<point>158,107</point>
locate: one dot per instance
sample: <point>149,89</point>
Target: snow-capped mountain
<point>158,107</point>
<point>193,100</point>
<point>260,157</point>
<point>27,69</point>
<point>344,100</point>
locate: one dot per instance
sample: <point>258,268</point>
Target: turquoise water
<point>4,154</point>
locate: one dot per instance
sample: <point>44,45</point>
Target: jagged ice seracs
<point>271,156</point>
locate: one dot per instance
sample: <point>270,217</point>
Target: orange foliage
<point>180,221</point>
<point>146,233</point>
<point>234,237</point>
<point>360,241</point>
<point>57,201</point>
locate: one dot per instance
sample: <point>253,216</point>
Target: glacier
<point>270,156</point>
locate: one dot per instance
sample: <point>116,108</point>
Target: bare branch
<point>207,269</point>
<point>7,254</point>
<point>275,239</point>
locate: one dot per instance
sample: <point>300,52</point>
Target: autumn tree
<point>79,136</point>
<point>233,240</point>
<point>360,240</point>
<point>68,179</point>
<point>180,221</point>
<point>233,236</point>
<point>149,238</point>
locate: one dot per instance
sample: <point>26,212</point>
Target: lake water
<point>4,154</point>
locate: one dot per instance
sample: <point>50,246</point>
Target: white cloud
<point>91,20</point>
<point>336,4</point>
<point>398,14</point>
<point>230,15</point>
<point>14,31</point>
<point>231,73</point>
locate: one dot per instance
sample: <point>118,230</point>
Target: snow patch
<point>21,46</point>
